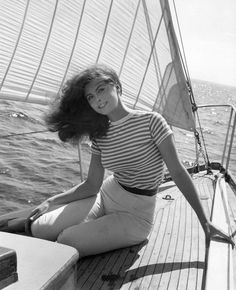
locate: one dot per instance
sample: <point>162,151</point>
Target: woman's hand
<point>36,213</point>
<point>212,231</point>
<point>39,210</point>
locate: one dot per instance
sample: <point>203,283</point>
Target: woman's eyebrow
<point>101,83</point>
<point>96,89</point>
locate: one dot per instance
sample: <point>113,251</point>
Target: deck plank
<point>147,264</point>
<point>156,267</point>
<point>186,262</point>
<point>172,258</point>
<point>195,268</point>
<point>162,280</point>
<point>142,271</point>
<point>178,259</point>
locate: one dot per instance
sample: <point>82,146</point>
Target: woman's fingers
<point>33,212</point>
<point>35,215</point>
<point>217,233</point>
<point>38,211</point>
<point>32,217</point>
<point>225,237</point>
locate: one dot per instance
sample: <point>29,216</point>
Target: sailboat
<point>43,43</point>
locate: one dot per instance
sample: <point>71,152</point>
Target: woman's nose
<point>98,98</point>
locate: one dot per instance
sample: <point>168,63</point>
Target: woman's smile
<point>101,106</point>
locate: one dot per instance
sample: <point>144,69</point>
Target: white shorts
<point>113,219</point>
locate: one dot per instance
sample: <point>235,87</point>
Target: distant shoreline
<point>221,85</point>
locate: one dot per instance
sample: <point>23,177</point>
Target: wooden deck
<point>172,258</point>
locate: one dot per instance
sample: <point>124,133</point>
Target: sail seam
<point>16,45</point>
<point>74,45</point>
<point>44,51</point>
<point>148,62</point>
<point>104,33</point>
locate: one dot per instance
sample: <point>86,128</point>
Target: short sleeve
<point>94,148</point>
<point>159,128</point>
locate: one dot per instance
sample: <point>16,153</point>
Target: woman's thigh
<point>106,233</point>
<point>51,224</point>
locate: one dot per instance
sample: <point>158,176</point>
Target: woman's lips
<point>101,106</point>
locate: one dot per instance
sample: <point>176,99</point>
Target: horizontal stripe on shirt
<point>130,149</point>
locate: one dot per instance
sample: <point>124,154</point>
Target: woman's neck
<point>120,112</point>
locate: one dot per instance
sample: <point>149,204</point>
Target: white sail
<point>43,43</point>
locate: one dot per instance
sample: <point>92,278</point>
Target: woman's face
<point>102,95</point>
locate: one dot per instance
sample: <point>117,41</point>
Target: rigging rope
<point>201,151</point>
<point>21,134</point>
<point>191,94</point>
<point>44,50</point>
<point>148,62</point>
<point>104,32</point>
<point>151,38</point>
<point>73,48</point>
<point>129,39</point>
<point>184,59</point>
<point>16,44</point>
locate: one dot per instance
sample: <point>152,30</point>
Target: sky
<point>208,30</point>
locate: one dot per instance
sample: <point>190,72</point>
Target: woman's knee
<point>80,238</point>
<point>66,237</point>
<point>63,237</point>
<point>36,230</point>
<point>43,231</point>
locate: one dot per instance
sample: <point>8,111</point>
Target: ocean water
<point>37,165</point>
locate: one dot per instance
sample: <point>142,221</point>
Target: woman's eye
<point>100,90</point>
<point>90,98</point>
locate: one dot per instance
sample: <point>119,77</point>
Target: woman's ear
<point>118,89</point>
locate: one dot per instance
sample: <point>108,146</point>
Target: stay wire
<point>22,134</point>
<point>185,66</point>
<point>184,58</point>
<point>203,141</point>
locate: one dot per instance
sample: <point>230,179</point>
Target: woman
<point>97,216</point>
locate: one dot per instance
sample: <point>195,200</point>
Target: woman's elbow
<point>179,172</point>
<point>93,185</point>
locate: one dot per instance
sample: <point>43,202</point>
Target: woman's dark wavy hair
<point>71,115</point>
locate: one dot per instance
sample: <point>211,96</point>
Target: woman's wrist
<point>54,200</point>
<point>51,200</point>
<point>204,221</point>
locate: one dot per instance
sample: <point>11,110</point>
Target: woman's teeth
<point>102,106</point>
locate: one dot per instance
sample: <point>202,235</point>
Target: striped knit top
<point>130,149</point>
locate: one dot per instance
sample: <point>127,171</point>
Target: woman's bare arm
<point>87,188</point>
<point>83,190</point>
<point>184,182</point>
